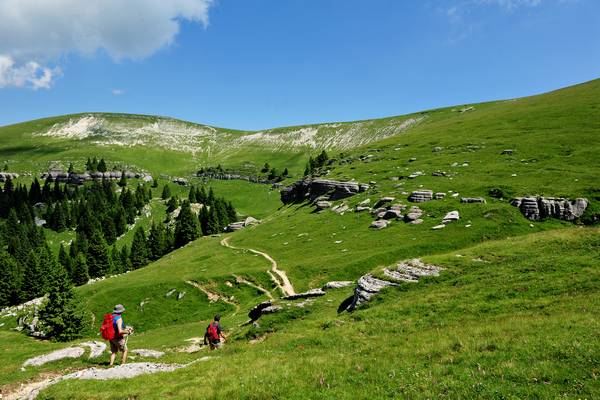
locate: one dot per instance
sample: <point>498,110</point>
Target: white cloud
<point>30,74</point>
<point>511,5</point>
<point>117,92</point>
<point>34,32</point>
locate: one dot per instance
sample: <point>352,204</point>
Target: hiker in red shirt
<point>214,336</point>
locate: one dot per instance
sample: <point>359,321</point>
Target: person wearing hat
<point>119,343</point>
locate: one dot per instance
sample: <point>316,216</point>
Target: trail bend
<point>277,275</point>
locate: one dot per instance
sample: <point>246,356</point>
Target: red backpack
<point>107,329</point>
<point>213,334</point>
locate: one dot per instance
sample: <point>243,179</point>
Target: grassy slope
<point>494,328</point>
<point>520,323</point>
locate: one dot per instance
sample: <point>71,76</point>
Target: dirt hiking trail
<point>279,276</point>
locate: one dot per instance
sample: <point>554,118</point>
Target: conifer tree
<point>203,218</point>
<point>192,195</point>
<point>62,316</point>
<point>285,173</point>
<point>71,168</point>
<point>123,181</point>
<point>266,168</point>
<point>65,260</point>
<point>186,226</point>
<point>139,249</point>
<point>157,241</point>
<point>102,165</point>
<point>125,259</point>
<point>80,274</point>
<point>200,195</point>
<point>97,255</point>
<point>166,193</point>
<point>171,205</point>
<point>10,280</point>
<point>115,256</point>
<point>155,183</point>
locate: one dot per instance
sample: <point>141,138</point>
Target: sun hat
<point>119,309</point>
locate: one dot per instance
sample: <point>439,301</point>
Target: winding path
<point>277,275</point>
<point>214,296</point>
<point>239,279</point>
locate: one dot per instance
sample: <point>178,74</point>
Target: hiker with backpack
<point>114,330</point>
<point>214,336</point>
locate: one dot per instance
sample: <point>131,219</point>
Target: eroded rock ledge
<point>537,208</point>
<point>405,271</point>
<point>310,189</point>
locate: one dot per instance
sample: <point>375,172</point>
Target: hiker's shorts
<point>216,345</point>
<point>118,344</point>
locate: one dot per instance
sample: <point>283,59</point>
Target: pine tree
<point>10,280</point>
<point>231,212</point>
<point>95,164</point>
<point>5,167</point>
<point>88,165</point>
<point>166,193</point>
<point>155,183</point>
<point>33,280</point>
<point>97,255</point>
<point>125,259</point>
<point>192,195</point>
<point>203,219</point>
<point>71,168</point>
<point>171,205</point>
<point>123,181</point>
<point>62,316</point>
<point>285,173</point>
<point>212,223</point>
<point>65,260</point>
<point>157,241</point>
<point>266,168</point>
<point>117,265</point>
<point>80,274</point>
<point>139,249</point>
<point>102,165</point>
<point>186,226</point>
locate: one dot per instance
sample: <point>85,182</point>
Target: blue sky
<point>256,64</point>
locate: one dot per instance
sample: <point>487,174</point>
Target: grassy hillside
<point>512,315</point>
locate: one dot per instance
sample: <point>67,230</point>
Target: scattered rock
<point>236,226</point>
<point>412,159</point>
<point>413,214</point>
<point>361,208</point>
<point>180,181</point>
<point>420,196</point>
<point>437,149</point>
<point>96,348</point>
<point>451,216</point>
<point>322,205</point>
<point>440,195</point>
<point>170,292</point>
<point>4,176</point>
<point>537,208</point>
<point>266,307</point>
<point>442,226</point>
<point>411,271</point>
<point>418,221</point>
<point>337,285</point>
<point>416,174</point>
<point>380,224</point>
<point>392,214</point>
<point>148,353</point>
<point>438,173</point>
<point>507,152</point>
<point>384,200</point>
<point>367,286</point>
<point>180,295</point>
<point>365,202</point>
<point>480,200</point>
<point>305,295</point>
<point>341,208</point>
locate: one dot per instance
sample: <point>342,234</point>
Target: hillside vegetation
<point>512,314</point>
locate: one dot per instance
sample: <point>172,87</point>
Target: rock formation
<point>4,176</point>
<point>306,295</point>
<point>480,200</point>
<point>77,178</point>
<point>406,271</point>
<point>420,196</point>
<point>236,226</point>
<point>310,189</point>
<point>537,208</point>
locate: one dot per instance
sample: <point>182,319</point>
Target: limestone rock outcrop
<point>406,271</point>
<point>420,196</point>
<point>311,293</point>
<point>537,208</point>
<point>310,189</point>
